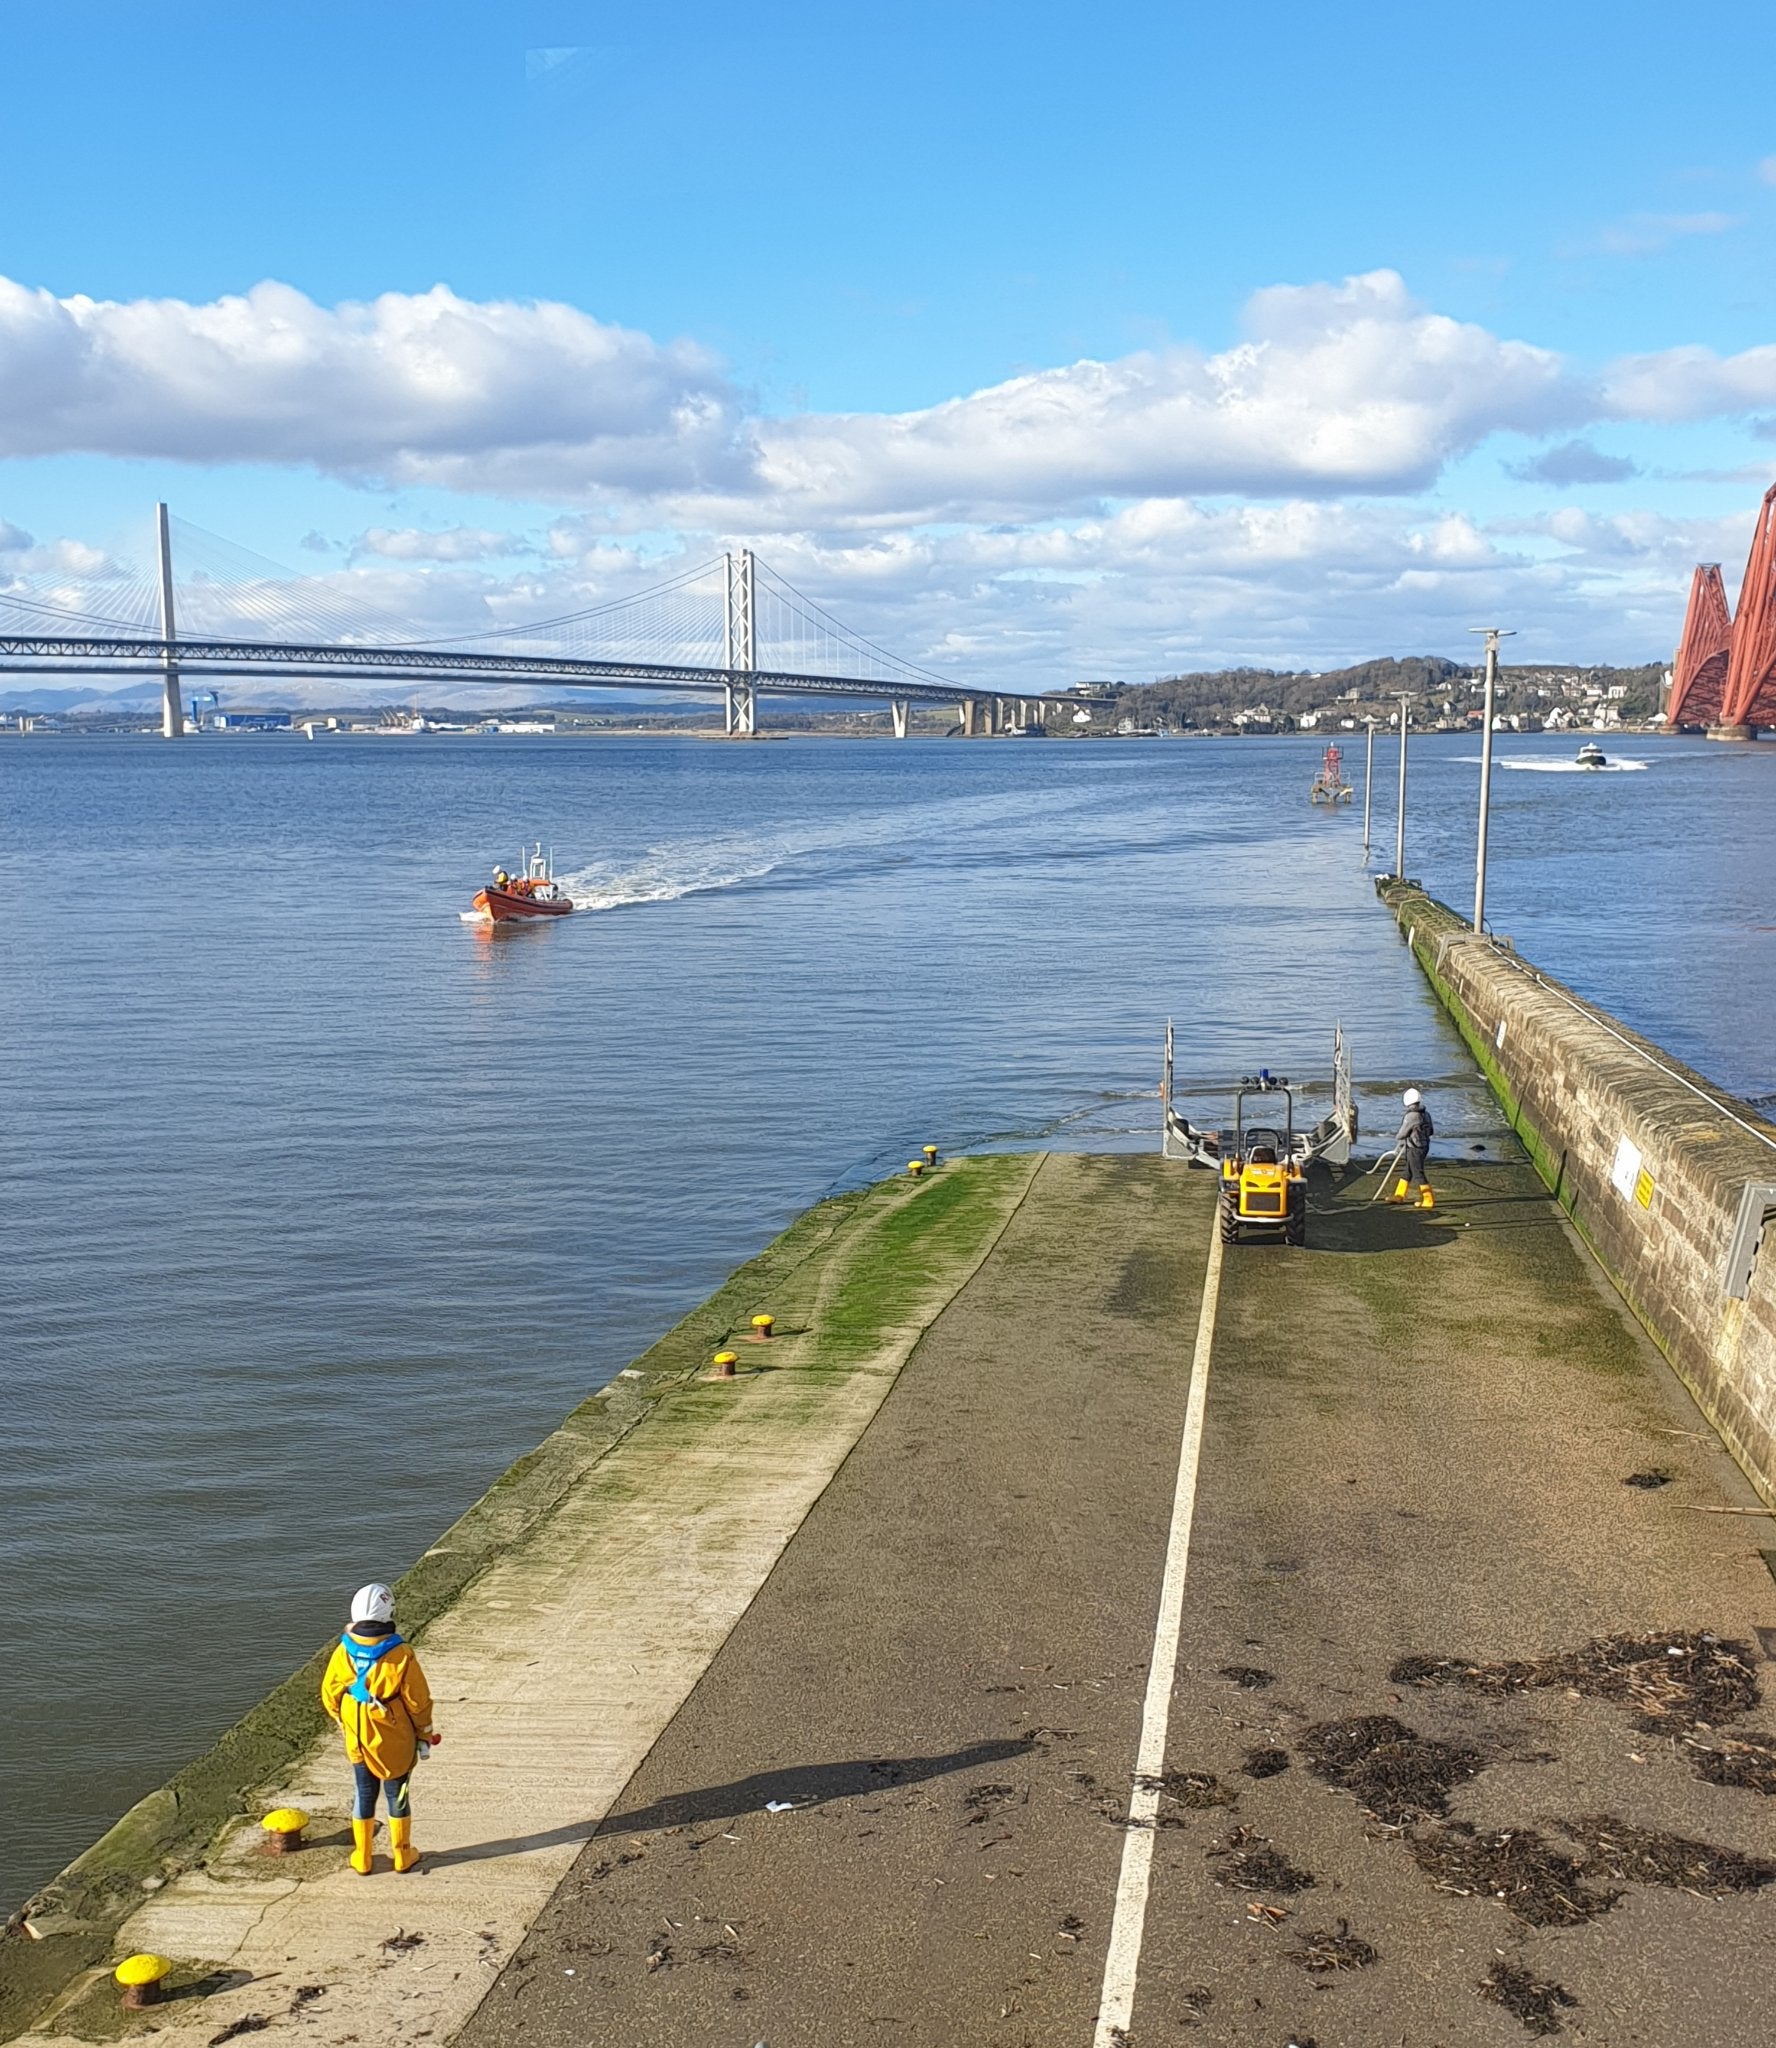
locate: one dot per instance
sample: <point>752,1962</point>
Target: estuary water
<point>321,1206</point>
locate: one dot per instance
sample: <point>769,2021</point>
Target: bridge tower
<point>172,712</point>
<point>740,699</point>
<point>1699,674</point>
<point>1748,696</point>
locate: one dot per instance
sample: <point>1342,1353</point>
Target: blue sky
<point>1020,335</point>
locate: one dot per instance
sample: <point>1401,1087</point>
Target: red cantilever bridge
<point>1724,678</point>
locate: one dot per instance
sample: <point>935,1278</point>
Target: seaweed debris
<point>1398,1775</point>
<point>1248,1863</point>
<point>1333,1949</point>
<point>1647,1856</point>
<point>1531,1878</point>
<point>1650,1482</point>
<point>1248,1677</point>
<point>1536,2001</point>
<point>1671,1681</point>
<point>1746,1763</point>
<point>1196,1789</point>
<point>1265,1763</point>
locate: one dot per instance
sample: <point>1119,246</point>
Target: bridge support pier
<point>900,710</point>
<point>172,711</point>
<point>739,710</point>
<point>968,711</point>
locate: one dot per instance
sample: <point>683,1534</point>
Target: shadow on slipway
<point>794,1785</point>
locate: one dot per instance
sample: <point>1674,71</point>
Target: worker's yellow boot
<point>1401,1190</point>
<point>363,1843</point>
<point>1426,1200</point>
<point>401,1844</point>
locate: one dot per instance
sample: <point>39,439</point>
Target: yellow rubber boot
<point>363,1842</point>
<point>401,1844</point>
<point>1426,1200</point>
<point>1400,1192</point>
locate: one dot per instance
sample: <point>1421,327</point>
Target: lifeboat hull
<point>501,906</point>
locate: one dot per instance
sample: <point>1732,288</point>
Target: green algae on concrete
<point>883,1259</point>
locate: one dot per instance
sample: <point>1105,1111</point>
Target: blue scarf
<point>363,1657</point>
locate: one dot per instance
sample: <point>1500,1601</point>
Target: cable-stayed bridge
<point>207,609</point>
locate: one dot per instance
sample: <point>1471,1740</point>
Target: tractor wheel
<point>1229,1216</point>
<point>1295,1227</point>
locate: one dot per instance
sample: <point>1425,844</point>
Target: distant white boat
<point>1591,755</point>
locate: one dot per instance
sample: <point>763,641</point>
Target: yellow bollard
<point>724,1363</point>
<point>762,1326</point>
<point>283,1830</point>
<point>930,1155</point>
<point>141,1978</point>
<point>915,1167</point>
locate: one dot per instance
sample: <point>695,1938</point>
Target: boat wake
<point>1573,767</point>
<point>666,876</point>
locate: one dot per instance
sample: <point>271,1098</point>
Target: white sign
<point>1499,1036</point>
<point>1626,1170</point>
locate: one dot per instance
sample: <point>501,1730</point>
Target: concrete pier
<point>809,1707</point>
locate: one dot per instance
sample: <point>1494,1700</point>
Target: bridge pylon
<point>739,698</point>
<point>172,711</point>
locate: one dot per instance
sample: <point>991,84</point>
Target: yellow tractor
<point>1263,1178</point>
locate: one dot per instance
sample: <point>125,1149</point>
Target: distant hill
<point>1216,696</point>
<point>1213,698</point>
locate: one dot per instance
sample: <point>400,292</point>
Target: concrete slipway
<point>807,1708</point>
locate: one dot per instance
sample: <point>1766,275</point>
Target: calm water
<point>322,1206</point>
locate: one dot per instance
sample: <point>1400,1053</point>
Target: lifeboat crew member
<point>376,1692</point>
<point>1414,1140</point>
<point>500,878</point>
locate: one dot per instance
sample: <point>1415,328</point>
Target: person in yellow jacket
<point>377,1693</point>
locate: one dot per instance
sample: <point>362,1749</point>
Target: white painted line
<point>1123,1962</point>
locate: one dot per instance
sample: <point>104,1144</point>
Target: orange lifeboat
<point>535,893</point>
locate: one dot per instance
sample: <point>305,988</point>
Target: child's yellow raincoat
<point>377,1693</point>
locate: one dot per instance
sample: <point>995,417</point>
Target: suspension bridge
<point>730,626</point>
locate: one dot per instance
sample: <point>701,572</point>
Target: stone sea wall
<point>1647,1157</point>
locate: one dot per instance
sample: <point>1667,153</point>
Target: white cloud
<point>1767,170</point>
<point>452,544</point>
<point>424,388</point>
<point>1339,388</point>
<point>1690,383</point>
<point>1645,234</point>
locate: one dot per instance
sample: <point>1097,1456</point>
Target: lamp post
<point>1368,779</point>
<point>1494,634</point>
<point>1400,832</point>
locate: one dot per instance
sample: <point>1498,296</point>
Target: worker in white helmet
<point>1413,1139</point>
<point>376,1692</point>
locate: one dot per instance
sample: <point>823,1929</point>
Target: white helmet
<point>1412,1098</point>
<point>373,1603</point>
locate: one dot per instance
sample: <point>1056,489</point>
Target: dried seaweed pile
<point>1547,1886</point>
<point>1337,1948</point>
<point>1542,1885</point>
<point>1195,1789</point>
<point>1245,1862</point>
<point>1746,1763</point>
<point>1265,1763</point>
<point>1648,1856</point>
<point>1536,2001</point>
<point>1399,1775</point>
<point>1670,1681</point>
